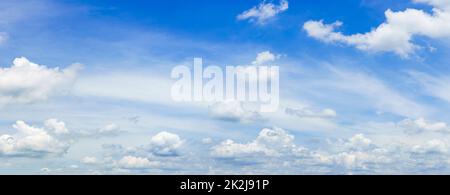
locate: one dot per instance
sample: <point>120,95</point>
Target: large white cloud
<point>31,141</point>
<point>263,12</point>
<point>25,82</point>
<point>396,34</point>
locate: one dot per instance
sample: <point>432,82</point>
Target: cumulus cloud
<point>31,141</point>
<point>270,142</point>
<point>421,125</point>
<point>232,110</point>
<point>396,34</point>
<point>264,57</point>
<point>59,127</point>
<point>25,82</point>
<point>307,113</point>
<point>133,162</point>
<point>165,144</point>
<point>263,12</point>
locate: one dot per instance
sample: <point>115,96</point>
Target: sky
<point>85,87</point>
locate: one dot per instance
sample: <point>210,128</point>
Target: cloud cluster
<point>264,12</point>
<point>396,34</point>
<point>30,141</point>
<point>25,82</point>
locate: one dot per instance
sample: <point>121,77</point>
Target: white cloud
<point>421,125</point>
<point>264,57</point>
<point>307,113</point>
<point>165,144</point>
<point>133,162</point>
<point>432,146</point>
<point>25,82</point>
<point>89,160</point>
<point>380,94</point>
<point>233,111</point>
<point>110,129</point>
<point>30,141</point>
<point>396,34</point>
<point>263,12</point>
<point>434,85</point>
<point>359,142</point>
<point>270,142</point>
<point>59,127</point>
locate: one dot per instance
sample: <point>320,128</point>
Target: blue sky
<point>85,87</point>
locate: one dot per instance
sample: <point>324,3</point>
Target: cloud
<point>263,12</point>
<point>264,57</point>
<point>30,141</point>
<point>231,110</point>
<point>359,142</point>
<point>109,130</point>
<point>89,160</point>
<point>25,82</point>
<point>307,113</point>
<point>270,142</point>
<point>434,85</point>
<point>3,37</point>
<point>396,34</point>
<point>421,125</point>
<point>59,127</point>
<point>165,144</point>
<point>132,162</point>
<point>432,146</point>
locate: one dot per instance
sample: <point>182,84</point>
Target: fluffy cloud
<point>165,144</point>
<point>421,125</point>
<point>133,162</point>
<point>270,142</point>
<point>395,34</point>
<point>307,113</point>
<point>26,82</point>
<point>263,12</point>
<point>31,141</point>
<point>264,57</point>
<point>59,127</point>
<point>233,111</point>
